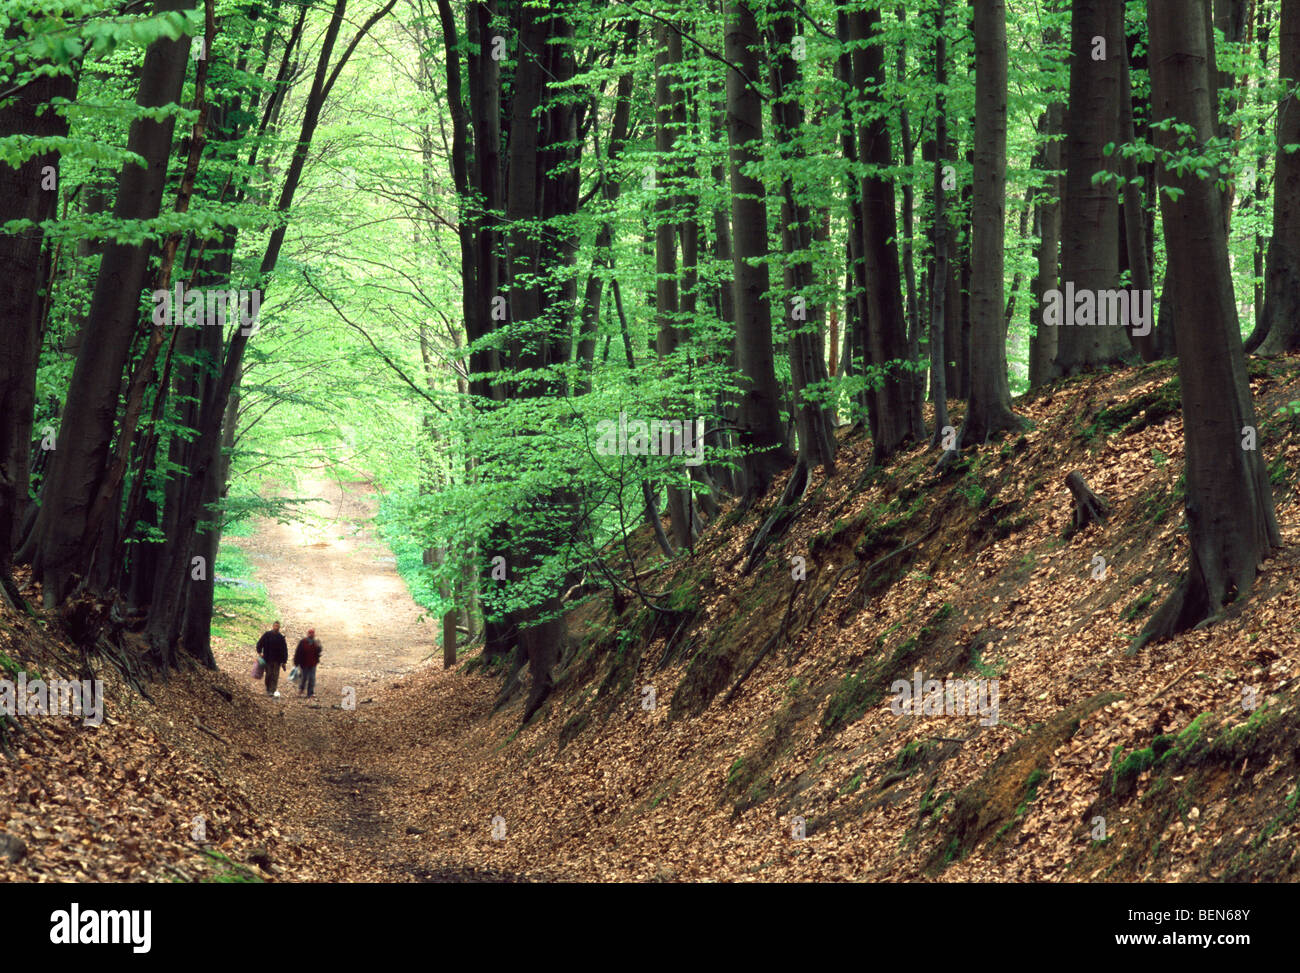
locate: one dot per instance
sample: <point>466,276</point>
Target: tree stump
<point>1088,507</point>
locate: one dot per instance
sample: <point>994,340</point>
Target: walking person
<point>275,651</point>
<point>306,657</point>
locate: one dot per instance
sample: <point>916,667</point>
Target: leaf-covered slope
<point>974,573</point>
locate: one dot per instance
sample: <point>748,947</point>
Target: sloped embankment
<point>156,792</point>
<point>771,696</point>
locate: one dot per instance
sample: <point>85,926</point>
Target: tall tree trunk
<point>670,117</point>
<point>855,308</point>
<point>893,408</point>
<point>761,433</point>
<point>956,364</point>
<point>27,192</point>
<point>1231,524</point>
<point>1090,228</point>
<point>541,190</point>
<point>473,301</point>
<point>962,332</point>
<point>602,262</point>
<point>80,459</point>
<point>1262,32</point>
<point>169,595</point>
<point>1230,20</point>
<point>908,229</point>
<point>1022,233</point>
<point>1042,346</point>
<point>1134,218</point>
<point>725,474</point>
<point>939,278</point>
<point>989,409</point>
<point>487,179</point>
<point>807,359</point>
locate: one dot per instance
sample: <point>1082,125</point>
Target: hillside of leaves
<point>772,695</point>
<point>770,701</point>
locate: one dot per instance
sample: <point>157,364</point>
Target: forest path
<point>335,576</point>
<point>331,774</point>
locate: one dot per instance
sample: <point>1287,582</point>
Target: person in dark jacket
<point>306,657</point>
<point>275,650</point>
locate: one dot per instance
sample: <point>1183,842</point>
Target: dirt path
<point>328,770</point>
<point>342,581</point>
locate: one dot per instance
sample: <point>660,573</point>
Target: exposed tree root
<point>781,518</point>
<point>209,731</point>
<point>12,597</point>
<point>980,426</point>
<point>1195,603</point>
<point>945,462</point>
<point>672,645</point>
<point>1185,608</point>
<point>122,663</point>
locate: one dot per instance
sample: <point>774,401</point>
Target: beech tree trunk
<point>89,416</point>
<point>882,323</point>
<point>807,360</point>
<point>1134,219</point>
<point>941,273</point>
<point>1042,346</point>
<point>909,263</point>
<point>1263,29</point>
<point>602,262</point>
<point>175,571</point>
<point>670,117</point>
<point>989,408</point>
<point>27,192</point>
<point>956,303</point>
<point>487,180</point>
<point>1090,229</point>
<point>855,278</point>
<point>541,189</point>
<point>1231,523</point>
<point>760,422</point>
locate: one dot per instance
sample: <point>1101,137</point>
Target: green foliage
<point>361,368</point>
<point>986,671</point>
<point>9,667</point>
<point>419,577</point>
<point>932,803</point>
<point>851,699</point>
<point>1278,474</point>
<point>242,609</point>
<point>912,755</point>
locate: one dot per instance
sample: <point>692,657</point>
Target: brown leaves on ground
<point>407,785</point>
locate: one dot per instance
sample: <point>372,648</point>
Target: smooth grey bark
<point>989,408</point>
<point>1229,506</point>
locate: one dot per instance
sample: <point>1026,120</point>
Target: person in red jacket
<point>306,657</point>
